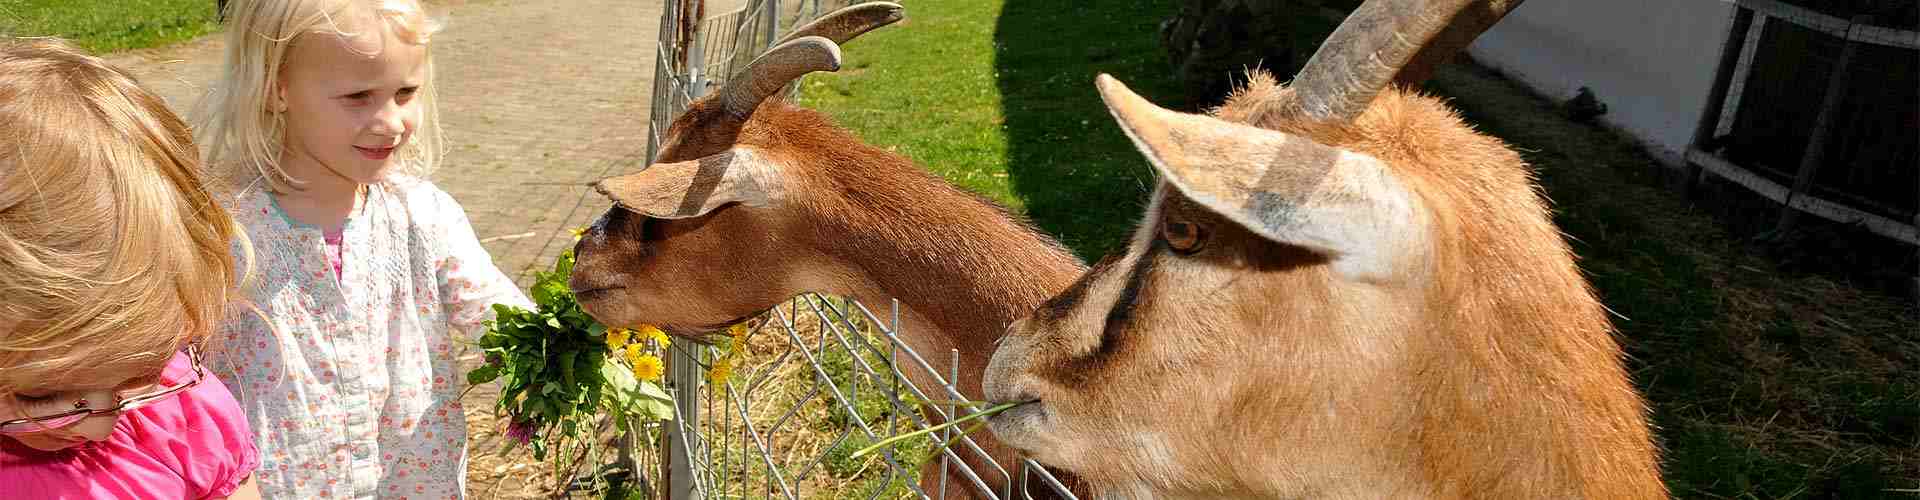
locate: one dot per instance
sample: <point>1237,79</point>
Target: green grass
<point>102,26</point>
<point>999,99</point>
<point>1764,382</point>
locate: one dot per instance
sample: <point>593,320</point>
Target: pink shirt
<point>334,239</point>
<point>192,445</point>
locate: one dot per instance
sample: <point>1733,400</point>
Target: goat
<point>1339,290</point>
<point>753,201</point>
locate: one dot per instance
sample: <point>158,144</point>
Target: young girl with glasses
<point>114,265</point>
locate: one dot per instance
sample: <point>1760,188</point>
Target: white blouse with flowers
<point>354,392</point>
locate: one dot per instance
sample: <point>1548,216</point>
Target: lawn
<point>1764,383</point>
<point>999,99</point>
<point>102,26</point>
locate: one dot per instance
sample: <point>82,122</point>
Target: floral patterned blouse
<point>355,391</point>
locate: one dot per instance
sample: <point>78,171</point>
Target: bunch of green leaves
<point>557,380</point>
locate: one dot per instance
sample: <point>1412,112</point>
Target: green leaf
<point>566,368</point>
<point>541,295</point>
<point>654,409</point>
<point>483,375</point>
<point>651,390</point>
<point>564,265</point>
<point>549,389</point>
<point>634,396</point>
<point>583,367</point>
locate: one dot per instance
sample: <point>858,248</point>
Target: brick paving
<point>538,98</point>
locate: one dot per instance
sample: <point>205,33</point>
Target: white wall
<point>1650,61</point>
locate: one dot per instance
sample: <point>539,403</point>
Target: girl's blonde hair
<point>243,134</point>
<point>113,253</point>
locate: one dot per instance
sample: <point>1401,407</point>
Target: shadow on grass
<point>1763,383</point>
<point>1081,179</point>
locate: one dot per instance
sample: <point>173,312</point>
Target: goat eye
<point>1183,237</point>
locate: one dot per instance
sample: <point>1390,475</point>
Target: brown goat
<point>1339,290</point>
<point>753,201</point>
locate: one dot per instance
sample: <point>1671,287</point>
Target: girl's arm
<point>470,284</point>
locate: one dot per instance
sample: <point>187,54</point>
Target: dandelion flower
<point>617,338</point>
<point>654,333</point>
<point>739,334</point>
<point>578,232</point>
<point>721,369</point>
<point>646,366</point>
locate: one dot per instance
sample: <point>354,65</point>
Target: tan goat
<point>1339,290</point>
<point>753,201</point>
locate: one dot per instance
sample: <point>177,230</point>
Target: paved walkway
<point>537,99</point>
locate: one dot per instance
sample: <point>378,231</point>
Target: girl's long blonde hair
<point>234,122</point>
<point>113,253</point>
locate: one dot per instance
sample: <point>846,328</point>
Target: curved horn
<point>1465,27</point>
<point>851,21</point>
<point>1369,49</point>
<point>770,72</point>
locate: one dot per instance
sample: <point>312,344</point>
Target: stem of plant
<point>956,402</point>
<point>963,433</point>
<point>890,441</point>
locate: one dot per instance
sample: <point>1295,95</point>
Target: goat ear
<point>1288,189</point>
<point>693,188</point>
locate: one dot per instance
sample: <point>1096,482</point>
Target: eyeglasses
<point>83,408</point>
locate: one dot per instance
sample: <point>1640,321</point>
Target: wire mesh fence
<point>814,379</point>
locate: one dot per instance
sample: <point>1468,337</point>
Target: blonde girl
<point>113,265</point>
<point>323,127</point>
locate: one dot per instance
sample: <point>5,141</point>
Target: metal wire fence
<point>816,378</point>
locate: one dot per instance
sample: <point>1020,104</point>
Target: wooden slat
<point>1804,202</point>
<point>1835,26</point>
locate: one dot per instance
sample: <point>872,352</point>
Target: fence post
<point>1817,146</point>
<point>683,372</point>
<point>1717,96</point>
<point>772,15</point>
<point>683,365</point>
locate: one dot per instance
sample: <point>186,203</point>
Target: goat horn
<point>849,22</point>
<point>772,71</point>
<point>1380,38</point>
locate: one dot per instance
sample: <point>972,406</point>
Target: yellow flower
<point>617,338</point>
<point>722,368</point>
<point>578,232</point>
<point>739,334</point>
<point>645,366</point>
<point>654,333</point>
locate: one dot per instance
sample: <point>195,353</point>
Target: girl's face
<point>349,104</point>
<point>55,397</point>
<point>49,401</point>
